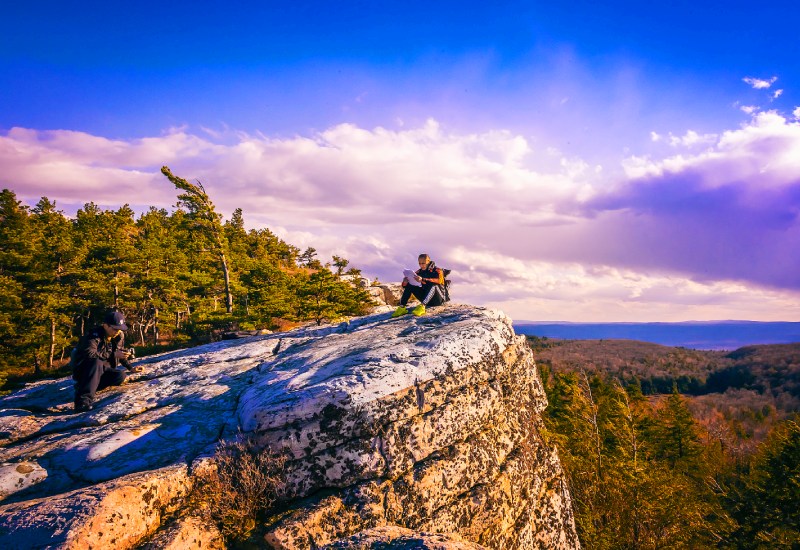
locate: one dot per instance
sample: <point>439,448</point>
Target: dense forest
<point>712,463</point>
<point>180,277</point>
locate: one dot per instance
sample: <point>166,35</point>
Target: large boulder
<point>424,423</point>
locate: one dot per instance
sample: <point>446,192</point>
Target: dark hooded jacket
<point>96,345</point>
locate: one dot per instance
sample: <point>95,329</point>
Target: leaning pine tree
<point>202,213</point>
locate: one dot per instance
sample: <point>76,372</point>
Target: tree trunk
<point>52,343</point>
<point>37,365</point>
<point>227,275</point>
<point>155,326</point>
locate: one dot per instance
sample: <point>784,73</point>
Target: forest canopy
<point>181,277</point>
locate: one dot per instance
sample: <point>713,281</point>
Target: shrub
<point>240,484</point>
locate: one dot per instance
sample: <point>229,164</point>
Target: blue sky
<point>282,68</point>
<point>610,152</point>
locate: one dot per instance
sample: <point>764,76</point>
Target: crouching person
<point>98,356</point>
<point>430,293</point>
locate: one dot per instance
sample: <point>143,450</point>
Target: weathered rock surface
<point>428,423</point>
<point>398,538</point>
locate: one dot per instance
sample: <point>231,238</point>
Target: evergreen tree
<point>270,292</point>
<point>159,292</point>
<point>768,507</point>
<point>58,276</point>
<point>323,297</point>
<point>53,279</point>
<point>206,222</point>
<point>678,433</point>
<point>308,258</point>
<point>104,241</point>
<point>340,263</point>
<point>16,247</point>
<point>626,491</point>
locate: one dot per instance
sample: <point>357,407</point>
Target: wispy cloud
<point>760,83</point>
<point>689,139</point>
<point>703,234</point>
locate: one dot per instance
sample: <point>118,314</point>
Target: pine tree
<point>206,222</point>
<point>52,282</point>
<point>158,291</point>
<point>16,247</point>
<point>308,258</point>
<point>678,433</point>
<point>768,508</point>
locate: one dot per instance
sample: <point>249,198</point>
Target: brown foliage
<point>241,483</point>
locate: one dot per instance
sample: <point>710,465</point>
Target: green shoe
<point>399,311</point>
<point>419,310</point>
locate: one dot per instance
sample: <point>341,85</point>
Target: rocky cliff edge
<point>418,423</point>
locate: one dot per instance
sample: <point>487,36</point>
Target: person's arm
<point>89,349</point>
<point>119,345</point>
<point>439,280</point>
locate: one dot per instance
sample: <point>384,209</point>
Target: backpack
<point>446,272</point>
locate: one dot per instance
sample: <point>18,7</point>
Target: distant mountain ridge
<point>709,335</point>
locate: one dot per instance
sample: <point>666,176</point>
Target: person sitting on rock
<point>431,293</point>
<point>98,356</point>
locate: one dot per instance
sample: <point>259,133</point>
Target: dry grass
<point>239,485</point>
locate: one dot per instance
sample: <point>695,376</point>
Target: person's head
<point>114,322</point>
<point>424,260</point>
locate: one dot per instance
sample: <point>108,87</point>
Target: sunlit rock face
<point>430,424</point>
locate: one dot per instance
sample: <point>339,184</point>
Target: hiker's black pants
<point>93,375</point>
<point>429,294</point>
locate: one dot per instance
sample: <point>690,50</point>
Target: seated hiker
<point>98,355</point>
<point>431,293</point>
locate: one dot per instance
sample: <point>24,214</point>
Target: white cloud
<point>669,240</point>
<point>767,149</point>
<point>796,113</point>
<point>776,94</point>
<point>748,109</point>
<point>760,84</point>
<point>538,290</point>
<point>692,138</point>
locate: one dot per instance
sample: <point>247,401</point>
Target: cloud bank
<point>707,230</point>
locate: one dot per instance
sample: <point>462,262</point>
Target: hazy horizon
<point>724,335</point>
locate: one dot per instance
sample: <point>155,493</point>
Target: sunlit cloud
<point>759,83</point>
<point>703,234</point>
<point>692,138</point>
<point>554,291</point>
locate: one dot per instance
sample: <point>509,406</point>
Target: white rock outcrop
<point>418,423</point>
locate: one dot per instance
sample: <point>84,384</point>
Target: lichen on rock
<point>424,423</point>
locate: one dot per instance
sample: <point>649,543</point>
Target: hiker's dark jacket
<point>432,275</point>
<point>96,345</point>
